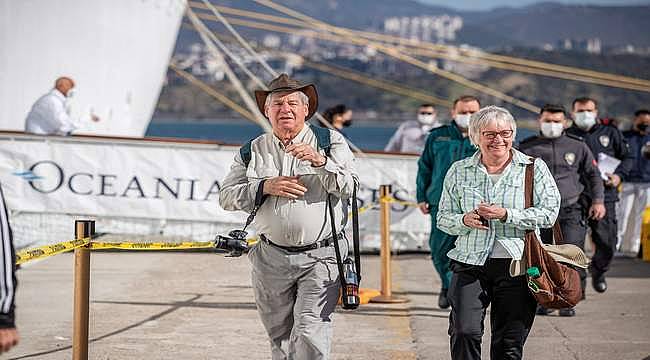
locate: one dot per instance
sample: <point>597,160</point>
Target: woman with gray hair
<point>483,204</point>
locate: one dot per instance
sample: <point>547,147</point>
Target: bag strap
<point>260,197</point>
<point>528,200</point>
<point>528,184</point>
<point>355,231</point>
<point>355,236</point>
<point>335,236</point>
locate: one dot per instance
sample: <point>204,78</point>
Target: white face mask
<point>71,93</point>
<point>426,119</point>
<point>462,120</point>
<point>552,130</point>
<point>585,119</point>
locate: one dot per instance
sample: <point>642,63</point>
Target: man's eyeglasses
<point>425,113</point>
<point>505,134</point>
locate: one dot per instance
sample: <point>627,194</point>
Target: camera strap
<point>355,236</point>
<point>260,197</point>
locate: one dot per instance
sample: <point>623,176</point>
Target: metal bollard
<point>386,275</point>
<point>82,229</point>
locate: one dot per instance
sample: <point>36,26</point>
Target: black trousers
<point>472,289</point>
<point>573,224</point>
<point>604,235</point>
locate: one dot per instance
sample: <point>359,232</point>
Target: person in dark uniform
<point>635,193</point>
<point>572,165</point>
<point>603,140</point>
<point>8,333</point>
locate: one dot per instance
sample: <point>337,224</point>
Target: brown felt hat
<point>284,83</point>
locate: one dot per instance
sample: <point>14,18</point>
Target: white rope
<point>252,105</point>
<point>241,40</point>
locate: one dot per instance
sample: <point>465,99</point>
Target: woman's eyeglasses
<point>491,135</point>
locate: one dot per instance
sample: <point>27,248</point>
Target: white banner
<point>173,181</point>
<point>101,178</point>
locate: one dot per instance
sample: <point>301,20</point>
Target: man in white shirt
<point>49,115</point>
<point>411,135</point>
<point>294,268</point>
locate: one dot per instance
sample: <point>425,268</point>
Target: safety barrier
<point>86,240</point>
<point>82,246</point>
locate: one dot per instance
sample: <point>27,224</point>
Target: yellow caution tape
<point>26,255</point>
<point>152,246</point>
<point>386,199</point>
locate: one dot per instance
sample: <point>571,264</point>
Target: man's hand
<point>424,207</point>
<point>307,153</point>
<point>613,180</point>
<point>473,220</point>
<point>8,339</point>
<point>597,211</point>
<point>284,186</point>
<point>491,211</point>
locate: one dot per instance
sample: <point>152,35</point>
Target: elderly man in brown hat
<point>299,172</point>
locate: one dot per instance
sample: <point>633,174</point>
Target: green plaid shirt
<point>467,184</point>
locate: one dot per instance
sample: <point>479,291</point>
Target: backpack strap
<point>245,152</point>
<point>322,138</point>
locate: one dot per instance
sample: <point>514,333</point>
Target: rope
<point>205,33</point>
<point>241,40</point>
<point>470,56</point>
<point>391,51</point>
<point>215,94</point>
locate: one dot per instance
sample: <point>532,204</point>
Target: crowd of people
<point>470,182</point>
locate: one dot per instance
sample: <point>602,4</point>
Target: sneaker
<point>443,302</point>
<point>568,312</point>
<point>542,310</point>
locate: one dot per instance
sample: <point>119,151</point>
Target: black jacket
<point>606,139</point>
<point>7,268</point>
<point>640,171</point>
<point>571,163</point>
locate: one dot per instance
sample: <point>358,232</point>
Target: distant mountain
<point>551,22</point>
<point>533,25</point>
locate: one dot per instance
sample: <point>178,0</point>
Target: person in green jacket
<point>444,146</point>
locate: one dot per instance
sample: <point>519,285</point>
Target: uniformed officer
<point>444,146</point>
<point>603,140</point>
<point>572,165</point>
<point>635,195</point>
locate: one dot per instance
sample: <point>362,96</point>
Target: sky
<point>489,4</point>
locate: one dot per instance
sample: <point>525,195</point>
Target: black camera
<point>235,243</point>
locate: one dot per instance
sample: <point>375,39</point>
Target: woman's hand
<point>473,220</point>
<point>491,211</point>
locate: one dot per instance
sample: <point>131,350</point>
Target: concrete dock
<point>172,305</point>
